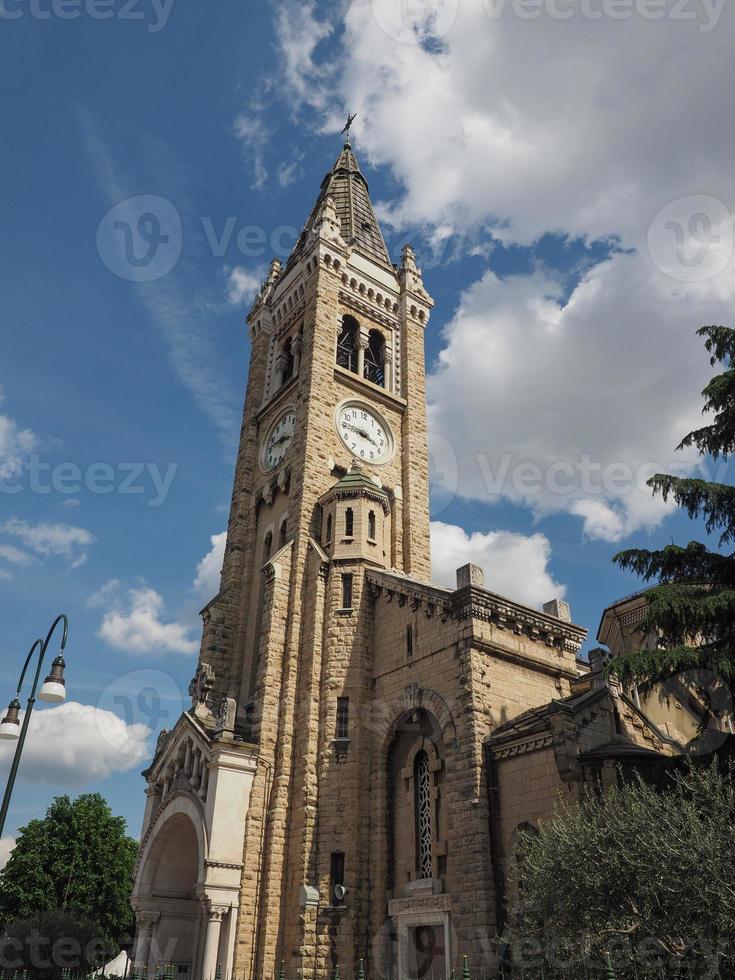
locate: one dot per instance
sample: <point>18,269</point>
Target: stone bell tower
<point>331,479</point>
<point>333,792</point>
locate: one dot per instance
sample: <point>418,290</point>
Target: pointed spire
<point>351,205</point>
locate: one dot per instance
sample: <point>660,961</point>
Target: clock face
<point>279,441</point>
<point>364,433</point>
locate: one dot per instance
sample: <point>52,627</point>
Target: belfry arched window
<point>347,344</point>
<point>422,784</point>
<point>375,358</point>
<point>283,532</point>
<point>267,545</point>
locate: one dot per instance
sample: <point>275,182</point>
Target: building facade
<point>362,744</point>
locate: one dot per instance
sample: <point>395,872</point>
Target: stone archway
<point>416,939</point>
<point>166,897</point>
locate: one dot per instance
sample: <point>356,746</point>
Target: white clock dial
<point>279,441</point>
<point>364,433</point>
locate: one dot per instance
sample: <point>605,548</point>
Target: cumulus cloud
<point>51,540</point>
<point>6,847</point>
<point>580,402</point>
<point>15,556</point>
<point>207,580</point>
<point>135,625</point>
<point>76,744</point>
<point>515,565</point>
<point>242,286</point>
<point>15,444</point>
<point>567,143</point>
<point>590,393</point>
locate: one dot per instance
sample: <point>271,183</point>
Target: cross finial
<point>346,131</point>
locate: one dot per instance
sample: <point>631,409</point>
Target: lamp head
<point>54,687</point>
<point>10,725</point>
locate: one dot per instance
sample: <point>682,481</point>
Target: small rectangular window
<point>347,591</point>
<point>342,729</point>
<point>409,641</point>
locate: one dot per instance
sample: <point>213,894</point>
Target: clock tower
<point>332,793</point>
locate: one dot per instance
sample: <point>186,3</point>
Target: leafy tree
<point>77,859</point>
<point>693,604</point>
<point>642,876</point>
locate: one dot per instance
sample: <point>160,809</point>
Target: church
<point>363,746</point>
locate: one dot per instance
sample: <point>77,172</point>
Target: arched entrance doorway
<point>168,908</point>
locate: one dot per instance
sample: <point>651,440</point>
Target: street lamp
<point>53,691</point>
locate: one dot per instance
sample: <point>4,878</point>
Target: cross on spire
<point>346,131</point>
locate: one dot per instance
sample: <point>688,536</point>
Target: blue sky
<point>542,194</point>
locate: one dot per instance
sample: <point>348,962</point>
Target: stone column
<point>388,369</point>
<point>214,915</point>
<point>363,342</point>
<point>146,922</point>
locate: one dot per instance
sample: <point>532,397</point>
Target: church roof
<point>359,227</point>
<point>355,480</point>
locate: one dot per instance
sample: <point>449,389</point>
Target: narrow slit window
<point>342,729</point>
<point>409,641</point>
<point>347,591</point>
<point>371,525</point>
<point>349,523</point>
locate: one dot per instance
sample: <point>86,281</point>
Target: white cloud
<point>577,404</point>
<point>242,286</point>
<point>536,125</point>
<point>15,556</point>
<point>105,595</point>
<point>136,626</point>
<point>51,540</point>
<point>255,135</point>
<point>515,565</point>
<point>536,129</point>
<point>76,744</point>
<point>6,847</point>
<point>207,581</point>
<point>15,444</point>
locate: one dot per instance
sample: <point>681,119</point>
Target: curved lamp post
<point>53,691</point>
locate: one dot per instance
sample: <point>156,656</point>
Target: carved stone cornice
<point>361,304</point>
<point>473,603</point>
<point>524,747</point>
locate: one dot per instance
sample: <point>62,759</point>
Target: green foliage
<point>692,607</point>
<point>77,859</point>
<point>644,876</point>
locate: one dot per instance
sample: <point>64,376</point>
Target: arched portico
<point>187,882</point>
<point>166,897</point>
